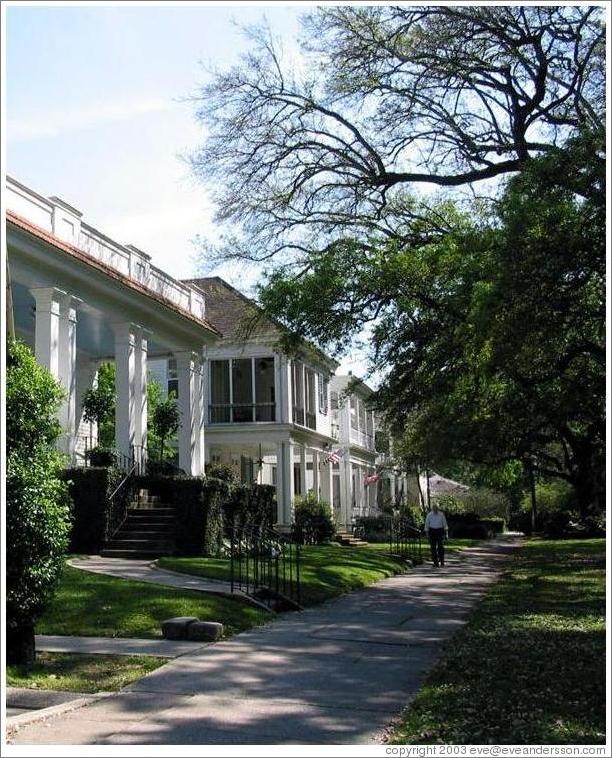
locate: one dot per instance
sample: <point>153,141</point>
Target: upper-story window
<point>354,408</point>
<point>304,395</point>
<point>323,391</point>
<point>242,390</point>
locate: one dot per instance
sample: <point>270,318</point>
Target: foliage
<point>100,456</point>
<point>37,502</point>
<point>250,504</point>
<point>487,317</point>
<point>313,523</point>
<point>388,98</point>
<point>223,471</point>
<point>554,495</point>
<point>471,525</point>
<point>165,418</point>
<point>93,520</point>
<point>76,672</point>
<point>540,631</point>
<point>99,405</point>
<point>492,338</point>
<point>479,500</point>
<point>95,605</point>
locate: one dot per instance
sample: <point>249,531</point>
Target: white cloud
<point>58,122</point>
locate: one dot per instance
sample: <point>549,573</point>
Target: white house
<point>80,298</point>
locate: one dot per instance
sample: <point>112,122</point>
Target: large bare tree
<point>385,100</point>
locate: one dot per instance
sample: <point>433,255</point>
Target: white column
<point>125,387</point>
<point>303,469</point>
<point>46,339</point>
<point>67,370</point>
<point>315,473</point>
<point>326,482</point>
<point>140,396</point>
<point>346,495</point>
<point>191,440</point>
<point>284,482</point>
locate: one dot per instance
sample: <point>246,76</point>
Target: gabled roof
<point>240,319</point>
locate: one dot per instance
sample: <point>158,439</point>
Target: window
<point>323,394</point>
<point>297,388</point>
<point>354,412</point>
<point>172,384</point>
<point>265,409</point>
<point>311,403</point>
<point>219,392</point>
<point>242,390</point>
<point>334,400</point>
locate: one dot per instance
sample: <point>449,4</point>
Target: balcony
<point>242,413</point>
<point>64,222</point>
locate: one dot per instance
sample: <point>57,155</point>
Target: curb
<point>13,723</point>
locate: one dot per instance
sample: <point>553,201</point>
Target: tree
<point>387,99</point>
<point>37,501</point>
<point>99,405</point>
<point>486,314</point>
<point>165,420</point>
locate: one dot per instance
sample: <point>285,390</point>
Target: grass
<point>529,667</point>
<point>81,673</point>
<point>326,571</point>
<point>94,605</point>
<point>452,545</point>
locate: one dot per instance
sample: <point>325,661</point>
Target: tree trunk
<point>20,647</point>
<point>532,488</point>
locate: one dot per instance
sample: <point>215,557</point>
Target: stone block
<point>205,631</point>
<point>176,628</point>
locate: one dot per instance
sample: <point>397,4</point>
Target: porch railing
<point>266,565</point>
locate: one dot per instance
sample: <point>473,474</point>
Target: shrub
<point>469,525</point>
<point>223,471</point>
<point>313,522</point>
<point>37,501</point>
<point>99,456</point>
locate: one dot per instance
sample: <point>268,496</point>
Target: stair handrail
<point>115,522</point>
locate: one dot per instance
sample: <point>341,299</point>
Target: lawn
<point>94,605</point>
<point>326,571</point>
<point>81,673</point>
<point>529,667</point>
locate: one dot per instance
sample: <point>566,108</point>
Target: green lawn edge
<point>529,667</point>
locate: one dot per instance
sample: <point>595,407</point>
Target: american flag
<point>334,456</point>
<point>371,479</point>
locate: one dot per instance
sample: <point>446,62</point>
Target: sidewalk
<point>334,674</point>
<point>149,571</point>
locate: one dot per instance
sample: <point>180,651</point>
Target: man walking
<point>436,529</point>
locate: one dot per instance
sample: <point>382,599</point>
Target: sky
<point>97,115</point>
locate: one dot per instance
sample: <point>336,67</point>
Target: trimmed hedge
<point>469,525</point>
<point>313,522</point>
<point>89,489</point>
<point>206,508</point>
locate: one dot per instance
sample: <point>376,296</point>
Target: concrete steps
<point>147,532</point>
<point>347,540</point>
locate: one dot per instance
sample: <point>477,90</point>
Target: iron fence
<point>266,565</point>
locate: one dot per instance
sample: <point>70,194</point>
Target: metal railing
<point>405,540</point>
<point>120,498</point>
<point>265,565</point>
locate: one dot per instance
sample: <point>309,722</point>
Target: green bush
<point>470,525</point>
<point>99,456</point>
<point>88,489</point>
<point>37,501</point>
<point>484,502</point>
<point>313,522</point>
<point>223,471</point>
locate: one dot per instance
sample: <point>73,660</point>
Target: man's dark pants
<point>436,542</point>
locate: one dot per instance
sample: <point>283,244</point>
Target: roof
<point>46,236</point>
<point>439,485</point>
<point>239,318</point>
<point>341,382</point>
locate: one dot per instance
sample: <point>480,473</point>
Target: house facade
<point>80,299</point>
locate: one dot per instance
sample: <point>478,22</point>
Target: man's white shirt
<point>435,521</point>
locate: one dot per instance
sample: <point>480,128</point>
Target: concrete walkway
<point>116,646</point>
<point>149,571</point>
<point>334,674</point>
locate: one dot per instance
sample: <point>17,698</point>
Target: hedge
<point>89,489</point>
<point>471,526</point>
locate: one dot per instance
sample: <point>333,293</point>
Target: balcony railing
<point>241,413</point>
<point>64,222</point>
